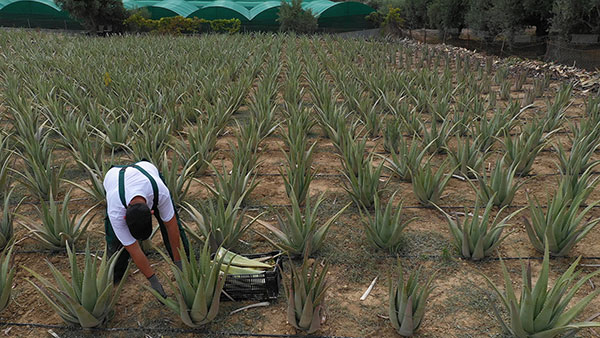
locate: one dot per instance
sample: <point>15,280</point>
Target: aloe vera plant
<point>299,233</point>
<point>299,123</point>
<point>200,145</point>
<point>298,174</point>
<point>500,187</point>
<point>579,158</point>
<point>151,141</point>
<point>41,176</point>
<point>522,150</point>
<point>384,228</point>
<point>177,181</point>
<point>369,114</point>
<point>306,296</point>
<point>58,230</point>
<point>197,287</point>
<point>572,185</point>
<point>88,300</point>
<point>234,185</point>
<point>408,300</point>
<point>363,185</point>
<point>115,130</point>
<point>478,235</point>
<point>94,186</point>
<point>437,136</point>
<point>488,129</point>
<point>428,185</point>
<point>392,133</point>
<point>556,110</point>
<point>6,163</point>
<point>219,223</point>
<point>467,157</point>
<point>263,110</point>
<point>562,226</point>
<point>541,311</point>
<point>405,161</point>
<point>6,223</point>
<point>7,274</point>
<point>352,149</point>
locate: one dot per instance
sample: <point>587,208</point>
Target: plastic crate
<point>261,286</point>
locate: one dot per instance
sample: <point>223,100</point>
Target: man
<point>133,194</point>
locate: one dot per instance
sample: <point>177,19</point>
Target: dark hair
<point>139,220</point>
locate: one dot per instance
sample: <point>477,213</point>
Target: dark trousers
<point>114,245</point>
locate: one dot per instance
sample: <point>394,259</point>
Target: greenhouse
<point>254,15</point>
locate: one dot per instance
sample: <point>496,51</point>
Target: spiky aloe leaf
<point>6,223</point>
<point>7,274</point>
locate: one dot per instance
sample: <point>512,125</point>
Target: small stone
<point>248,322</point>
<point>311,261</point>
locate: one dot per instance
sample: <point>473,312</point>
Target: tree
<point>477,17</point>
<point>414,13</point>
<point>575,17</point>
<point>92,13</point>
<point>538,13</point>
<point>447,14</point>
<point>292,17</point>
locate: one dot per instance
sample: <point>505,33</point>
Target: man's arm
<point>140,259</point>
<point>173,231</point>
<point>136,253</point>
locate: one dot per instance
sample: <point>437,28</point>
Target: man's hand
<point>155,284</point>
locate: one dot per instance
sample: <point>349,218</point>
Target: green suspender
<point>122,185</point>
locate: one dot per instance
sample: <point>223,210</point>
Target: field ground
<point>45,66</point>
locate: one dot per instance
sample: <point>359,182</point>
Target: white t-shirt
<point>136,184</point>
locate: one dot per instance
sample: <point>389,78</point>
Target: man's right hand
<point>155,284</point>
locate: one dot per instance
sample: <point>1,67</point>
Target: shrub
<point>393,21</point>
<point>180,25</point>
<point>292,18</point>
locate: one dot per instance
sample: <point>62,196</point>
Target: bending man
<point>133,194</point>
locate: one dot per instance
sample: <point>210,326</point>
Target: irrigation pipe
<point>173,330</point>
<point>422,257</point>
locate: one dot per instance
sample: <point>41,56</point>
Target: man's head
<point>139,220</point>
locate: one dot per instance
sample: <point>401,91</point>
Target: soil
<point>459,306</point>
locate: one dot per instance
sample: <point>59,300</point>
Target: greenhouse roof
<point>252,13</point>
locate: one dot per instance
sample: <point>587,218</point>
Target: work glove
<point>155,284</point>
<point>178,264</point>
